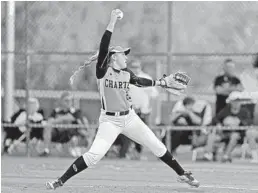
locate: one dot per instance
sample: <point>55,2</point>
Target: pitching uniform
<point>117,116</point>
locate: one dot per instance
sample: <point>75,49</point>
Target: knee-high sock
<point>77,166</point>
<point>171,162</point>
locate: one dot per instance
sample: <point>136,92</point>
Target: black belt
<point>118,113</point>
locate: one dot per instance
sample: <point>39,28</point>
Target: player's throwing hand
<point>116,14</point>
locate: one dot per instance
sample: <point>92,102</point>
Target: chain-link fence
<point>194,37</point>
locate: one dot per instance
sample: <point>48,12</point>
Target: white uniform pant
<point>131,126</point>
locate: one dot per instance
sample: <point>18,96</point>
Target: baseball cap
<point>238,96</point>
<point>119,49</point>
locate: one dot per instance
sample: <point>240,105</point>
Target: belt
<point>118,113</point>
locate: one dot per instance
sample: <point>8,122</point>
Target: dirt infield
<point>21,174</point>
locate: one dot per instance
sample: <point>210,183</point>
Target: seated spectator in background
<point>35,115</point>
<point>65,114</point>
<point>232,115</point>
<point>190,112</point>
<point>226,83</point>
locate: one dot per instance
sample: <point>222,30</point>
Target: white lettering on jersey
<point>114,91</point>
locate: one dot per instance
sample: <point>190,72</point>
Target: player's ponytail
<point>86,63</point>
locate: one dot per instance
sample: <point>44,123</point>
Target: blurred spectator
<point>65,114</point>
<point>35,115</point>
<point>190,112</point>
<point>232,115</point>
<point>226,83</point>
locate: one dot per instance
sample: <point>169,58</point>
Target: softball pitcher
<point>117,115</point>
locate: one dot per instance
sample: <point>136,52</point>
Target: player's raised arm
<point>102,62</point>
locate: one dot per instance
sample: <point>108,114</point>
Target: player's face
<point>121,60</point>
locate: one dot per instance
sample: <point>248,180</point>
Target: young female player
<point>117,115</point>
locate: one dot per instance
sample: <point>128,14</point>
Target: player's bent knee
<point>91,158</point>
<point>160,150</point>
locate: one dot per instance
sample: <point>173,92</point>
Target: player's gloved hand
<point>175,83</point>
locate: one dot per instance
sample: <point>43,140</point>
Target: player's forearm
<point>111,25</point>
<point>144,82</point>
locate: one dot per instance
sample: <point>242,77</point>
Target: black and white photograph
<point>129,96</point>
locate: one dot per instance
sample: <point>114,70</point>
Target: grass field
<point>21,174</point>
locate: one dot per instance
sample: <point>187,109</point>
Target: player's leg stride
<point>80,165</point>
<point>117,115</point>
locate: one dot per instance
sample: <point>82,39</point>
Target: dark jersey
<point>219,81</point>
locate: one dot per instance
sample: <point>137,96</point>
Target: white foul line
<point>151,185</point>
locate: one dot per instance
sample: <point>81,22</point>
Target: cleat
<point>189,179</point>
<point>54,184</point>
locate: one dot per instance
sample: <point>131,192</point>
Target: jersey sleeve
<point>138,81</point>
<point>102,63</point>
